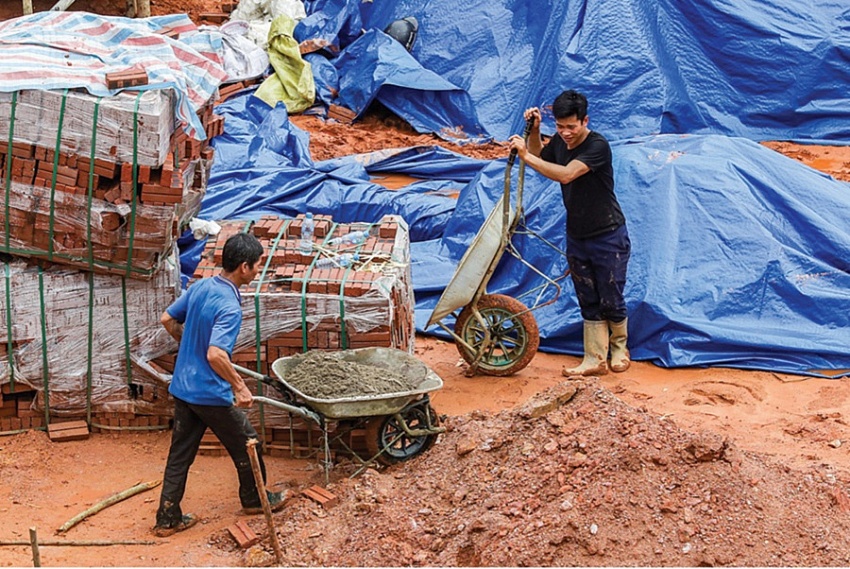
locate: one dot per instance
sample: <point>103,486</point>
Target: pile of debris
<point>573,478</point>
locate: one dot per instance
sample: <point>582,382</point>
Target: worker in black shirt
<point>598,245</point>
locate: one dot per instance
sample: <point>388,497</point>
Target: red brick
<point>244,535</point>
<point>318,494</point>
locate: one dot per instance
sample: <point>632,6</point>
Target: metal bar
<point>300,411</point>
<point>62,5</point>
<point>27,7</point>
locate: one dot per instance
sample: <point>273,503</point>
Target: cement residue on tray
<point>325,376</point>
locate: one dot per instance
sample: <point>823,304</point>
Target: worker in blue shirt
<point>207,390</point>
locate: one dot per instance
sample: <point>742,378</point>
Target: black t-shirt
<point>592,207</point>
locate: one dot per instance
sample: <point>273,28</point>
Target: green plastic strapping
<point>304,293</point>
<point>126,331</point>
<point>56,153</point>
<point>8,184</point>
<point>45,372</point>
<point>135,184</point>
<point>10,350</point>
<point>257,327</point>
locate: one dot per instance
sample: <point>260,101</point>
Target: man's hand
<point>172,326</point>
<point>517,143</point>
<point>220,362</point>
<point>244,398</point>
<point>534,145</point>
<point>533,114</point>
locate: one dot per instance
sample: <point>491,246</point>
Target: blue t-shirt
<point>211,314</point>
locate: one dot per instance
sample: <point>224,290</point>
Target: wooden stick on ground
<point>264,499</point>
<point>62,543</point>
<point>114,499</point>
<point>36,556</point>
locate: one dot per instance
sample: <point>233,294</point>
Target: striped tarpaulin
<point>67,50</point>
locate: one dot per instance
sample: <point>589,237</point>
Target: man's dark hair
<point>570,103</point>
<point>240,248</point>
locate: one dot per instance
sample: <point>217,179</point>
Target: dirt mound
<point>591,482</point>
<point>379,129</point>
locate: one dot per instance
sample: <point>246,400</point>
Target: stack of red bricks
<point>227,90</point>
<point>77,344</point>
<point>139,178</point>
<point>16,411</point>
<point>303,305</point>
<point>104,186</point>
<point>225,9</point>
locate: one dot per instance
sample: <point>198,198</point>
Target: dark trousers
<point>231,426</point>
<point>598,269</point>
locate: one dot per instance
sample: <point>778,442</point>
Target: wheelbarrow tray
<point>473,265</point>
<point>371,405</point>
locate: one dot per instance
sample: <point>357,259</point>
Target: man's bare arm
<point>563,174</point>
<point>172,326</point>
<point>221,364</point>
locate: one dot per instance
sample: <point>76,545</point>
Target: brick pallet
<point>46,355</point>
<point>109,195</point>
<point>40,120</point>
<point>18,412</point>
<point>303,308</point>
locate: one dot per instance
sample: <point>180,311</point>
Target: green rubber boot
<point>595,360</point>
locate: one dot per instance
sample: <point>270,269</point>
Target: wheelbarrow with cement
<point>398,425</point>
<point>496,334</point>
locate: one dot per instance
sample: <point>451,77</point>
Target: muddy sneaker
<point>186,522</point>
<point>276,500</point>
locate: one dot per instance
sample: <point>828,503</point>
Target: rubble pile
<point>575,478</point>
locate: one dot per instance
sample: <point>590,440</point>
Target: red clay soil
<point>651,467</point>
<point>14,8</point>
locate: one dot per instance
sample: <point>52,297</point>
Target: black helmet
<point>403,31</point>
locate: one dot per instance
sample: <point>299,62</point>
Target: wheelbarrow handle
<point>302,412</point>
<point>267,379</point>
<point>529,124</point>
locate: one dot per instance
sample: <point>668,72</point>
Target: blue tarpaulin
<point>741,256</point>
<point>753,68</point>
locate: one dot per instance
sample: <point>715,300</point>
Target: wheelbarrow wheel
<point>386,438</point>
<point>513,331</point>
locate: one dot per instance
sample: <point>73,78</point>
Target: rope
<point>8,184</point>
<point>90,193</point>
<point>127,359</point>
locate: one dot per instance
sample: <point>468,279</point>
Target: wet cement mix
<point>323,375</point>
